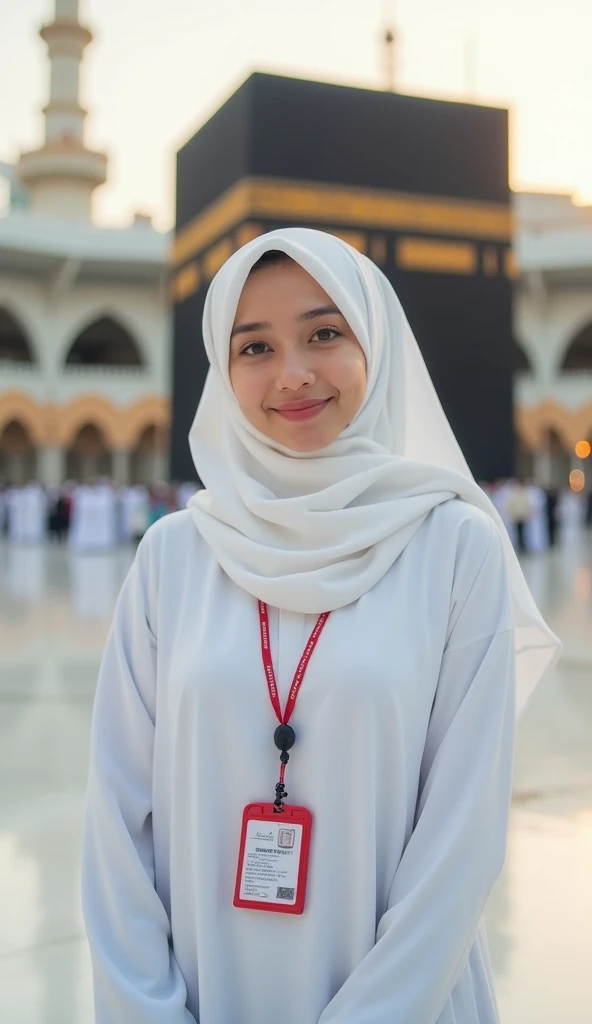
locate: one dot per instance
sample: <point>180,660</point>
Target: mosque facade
<point>85,318</point>
<point>553,336</point>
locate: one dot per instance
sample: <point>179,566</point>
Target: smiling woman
<point>342,562</point>
<point>296,367</point>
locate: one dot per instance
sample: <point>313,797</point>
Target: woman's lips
<point>302,410</point>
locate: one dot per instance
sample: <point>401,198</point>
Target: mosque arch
<point>154,410</point>
<point>578,354</point>
<point>95,409</point>
<point>533,422</point>
<point>148,456</point>
<point>559,455</point>
<point>15,436</point>
<point>89,454</point>
<point>15,346</point>
<point>16,405</point>
<point>583,423</point>
<point>105,341</point>
<point>17,452</point>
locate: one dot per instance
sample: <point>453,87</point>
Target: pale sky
<point>158,68</point>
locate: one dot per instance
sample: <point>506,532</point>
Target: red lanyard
<point>284,735</point>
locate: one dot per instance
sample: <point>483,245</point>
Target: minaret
<point>390,48</point>
<point>62,175</point>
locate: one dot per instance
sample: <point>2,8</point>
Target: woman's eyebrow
<point>264,325</point>
<point>257,325</point>
<point>319,311</point>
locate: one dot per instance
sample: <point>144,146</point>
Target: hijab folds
<point>312,532</point>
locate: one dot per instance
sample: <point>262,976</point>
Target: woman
<point>333,483</point>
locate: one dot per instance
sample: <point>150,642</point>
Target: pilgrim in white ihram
<point>404,722</point>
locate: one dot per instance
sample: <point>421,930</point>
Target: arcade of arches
<point>14,344</point>
<point>546,437</point>
<point>91,436</point>
<point>87,438</point>
<point>104,342</point>
<point>547,433</point>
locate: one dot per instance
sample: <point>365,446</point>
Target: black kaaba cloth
<point>420,185</point>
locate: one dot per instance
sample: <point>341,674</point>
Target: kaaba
<point>419,185</point>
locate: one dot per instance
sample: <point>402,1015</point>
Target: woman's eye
<point>326,333</point>
<point>256,348</point>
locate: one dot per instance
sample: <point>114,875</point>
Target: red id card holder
<point>273,859</point>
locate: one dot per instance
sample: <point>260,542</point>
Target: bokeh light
<point>577,480</point>
<point>583,449</point>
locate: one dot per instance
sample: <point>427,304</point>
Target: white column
<point>543,468</point>
<point>16,470</point>
<point>51,465</point>
<point>121,465</point>
<point>160,466</point>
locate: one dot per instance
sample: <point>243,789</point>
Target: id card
<point>273,859</point>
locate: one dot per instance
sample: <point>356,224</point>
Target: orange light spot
<point>583,449</point>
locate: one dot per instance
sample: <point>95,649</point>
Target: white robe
<point>405,728</point>
<point>134,507</point>
<point>537,526</point>
<point>94,518</point>
<point>571,513</point>
<point>27,514</point>
<point>13,513</point>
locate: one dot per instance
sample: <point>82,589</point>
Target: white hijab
<point>312,532</point>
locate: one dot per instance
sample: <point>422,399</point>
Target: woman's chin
<point>310,443</point>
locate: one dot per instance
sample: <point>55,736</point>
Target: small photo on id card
<point>273,859</point>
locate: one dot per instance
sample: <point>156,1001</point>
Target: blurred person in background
<point>589,508</point>
<point>160,502</point>
<point>94,516</point>
<point>59,514</point>
<point>519,510</point>
<point>552,500</point>
<point>26,509</point>
<point>571,513</point>
<point>2,510</point>
<point>139,514</point>
<point>185,491</point>
<point>537,524</point>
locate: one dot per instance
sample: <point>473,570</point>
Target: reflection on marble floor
<point>55,609</point>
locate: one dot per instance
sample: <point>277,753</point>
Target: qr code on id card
<point>284,894</point>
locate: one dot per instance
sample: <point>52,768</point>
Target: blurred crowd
<point>102,514</point>
<point>538,518</point>
<point>90,516</point>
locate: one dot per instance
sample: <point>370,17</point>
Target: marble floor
<point>54,614</point>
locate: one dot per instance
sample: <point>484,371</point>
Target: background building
<point>84,321</point>
<point>553,332</point>
<point>85,324</point>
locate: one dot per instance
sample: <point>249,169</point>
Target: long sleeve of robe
<point>405,731</point>
<point>136,976</point>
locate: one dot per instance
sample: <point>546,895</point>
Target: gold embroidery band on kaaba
<point>352,207</point>
<point>438,257</point>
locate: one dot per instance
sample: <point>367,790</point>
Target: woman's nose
<point>294,373</point>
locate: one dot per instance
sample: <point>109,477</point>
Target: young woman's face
<point>296,367</point>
